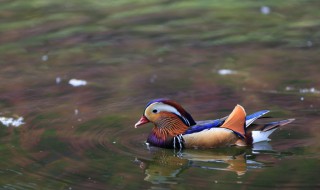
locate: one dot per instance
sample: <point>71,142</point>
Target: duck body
<point>175,128</point>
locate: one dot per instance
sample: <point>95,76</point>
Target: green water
<point>207,55</point>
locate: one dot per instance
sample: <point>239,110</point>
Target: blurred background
<point>76,75</point>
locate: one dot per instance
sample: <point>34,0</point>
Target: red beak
<point>143,120</point>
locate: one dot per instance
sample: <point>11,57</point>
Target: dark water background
<point>207,55</point>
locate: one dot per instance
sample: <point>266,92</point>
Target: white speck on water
<point>226,72</point>
<point>309,43</point>
<point>302,98</point>
<point>309,90</point>
<point>289,88</point>
<point>265,10</point>
<point>44,58</point>
<point>58,80</point>
<point>114,142</point>
<point>7,121</point>
<point>77,82</point>
<point>215,181</point>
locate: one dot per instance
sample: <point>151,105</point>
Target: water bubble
<point>8,121</point>
<point>265,10</point>
<point>58,80</point>
<point>226,72</point>
<point>309,90</point>
<point>44,58</point>
<point>288,88</point>
<point>77,82</point>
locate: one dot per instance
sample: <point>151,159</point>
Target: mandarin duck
<point>175,128</point>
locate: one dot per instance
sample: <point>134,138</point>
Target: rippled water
<point>75,77</point>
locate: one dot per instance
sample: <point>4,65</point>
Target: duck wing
<point>208,124</point>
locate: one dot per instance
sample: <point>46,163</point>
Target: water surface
<point>75,77</point>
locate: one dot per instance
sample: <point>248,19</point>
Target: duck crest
<point>190,121</point>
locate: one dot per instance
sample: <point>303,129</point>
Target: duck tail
<point>267,130</point>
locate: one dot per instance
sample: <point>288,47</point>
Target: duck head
<point>168,117</point>
<point>160,109</point>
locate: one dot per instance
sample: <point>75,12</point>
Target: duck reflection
<point>166,165</point>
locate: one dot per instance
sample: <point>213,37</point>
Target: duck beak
<point>143,120</point>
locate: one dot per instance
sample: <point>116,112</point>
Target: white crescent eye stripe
<point>157,107</point>
<point>164,107</point>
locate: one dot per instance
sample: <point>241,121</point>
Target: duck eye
<point>155,111</point>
